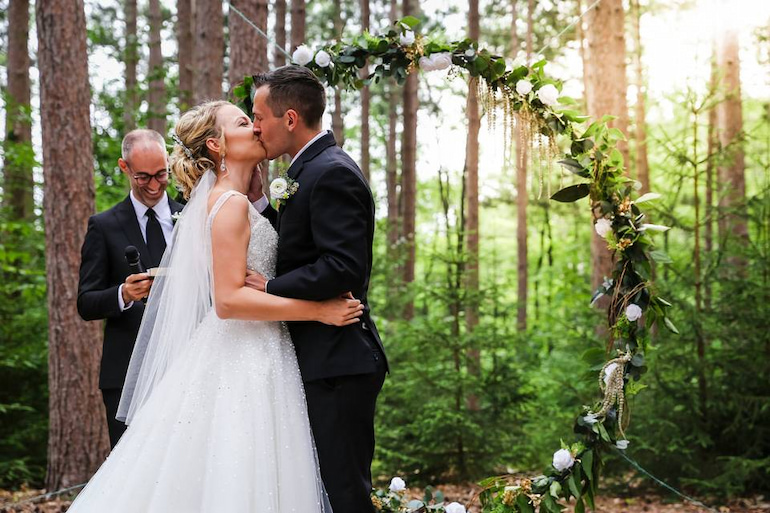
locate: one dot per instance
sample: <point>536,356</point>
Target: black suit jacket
<point>103,268</point>
<point>325,233</point>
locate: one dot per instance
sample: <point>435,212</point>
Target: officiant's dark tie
<point>156,243</point>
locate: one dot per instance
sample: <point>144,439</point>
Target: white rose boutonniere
<point>176,217</point>
<point>283,188</point>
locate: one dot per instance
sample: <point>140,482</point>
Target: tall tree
<point>640,121</point>
<point>365,101</point>
<point>18,182</point>
<point>157,97</point>
<point>472,195</point>
<point>606,86</point>
<point>712,145</point>
<point>186,52</point>
<point>77,441</point>
<point>409,168</point>
<point>131,58</point>
<point>391,162</point>
<point>209,50</point>
<point>248,49</point>
<point>279,58</point>
<point>732,225</point>
<point>297,23</point>
<point>338,126</point>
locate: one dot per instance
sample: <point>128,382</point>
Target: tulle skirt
<point>226,430</point>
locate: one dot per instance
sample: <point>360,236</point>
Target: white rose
<point>302,55</point>
<point>591,418</point>
<point>426,64</point>
<point>397,485</point>
<point>633,312</point>
<point>441,60</point>
<point>622,444</point>
<point>454,507</point>
<point>523,87</point>
<point>548,95</point>
<point>407,38</point>
<point>470,52</point>
<point>278,188</point>
<point>562,460</point>
<point>322,58</point>
<point>603,226</point>
<point>608,372</point>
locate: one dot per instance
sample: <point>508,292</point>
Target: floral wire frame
<point>530,99</point>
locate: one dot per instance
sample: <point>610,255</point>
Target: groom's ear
<point>292,119</point>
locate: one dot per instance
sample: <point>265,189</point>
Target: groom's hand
<point>255,186</point>
<point>255,280</point>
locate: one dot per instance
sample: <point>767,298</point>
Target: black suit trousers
<point>341,411</point>
<point>111,398</point>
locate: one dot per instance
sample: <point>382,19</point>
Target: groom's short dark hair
<point>294,87</point>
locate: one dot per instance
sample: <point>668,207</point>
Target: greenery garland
<point>529,98</point>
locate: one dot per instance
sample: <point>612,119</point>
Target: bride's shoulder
<point>220,205</point>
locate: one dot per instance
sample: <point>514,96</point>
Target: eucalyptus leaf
<point>572,193</point>
<point>670,325</point>
<point>650,196</point>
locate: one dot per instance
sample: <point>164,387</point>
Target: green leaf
<point>555,489</point>
<point>650,196</point>
<point>414,504</point>
<point>579,506</point>
<point>670,325</point>
<point>572,193</point>
<point>410,21</point>
<point>587,462</point>
<point>573,166</point>
<point>522,501</point>
<point>660,257</point>
<point>573,489</point>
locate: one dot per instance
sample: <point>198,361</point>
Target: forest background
<point>481,284</point>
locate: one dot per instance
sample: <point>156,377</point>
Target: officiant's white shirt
<point>163,213</point>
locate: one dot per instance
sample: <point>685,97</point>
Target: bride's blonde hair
<point>190,158</point>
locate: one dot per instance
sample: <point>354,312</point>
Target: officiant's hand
<point>255,186</point>
<point>136,287</point>
<point>255,281</point>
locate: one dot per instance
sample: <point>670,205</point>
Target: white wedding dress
<point>226,429</point>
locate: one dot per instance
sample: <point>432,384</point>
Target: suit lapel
<point>130,225</point>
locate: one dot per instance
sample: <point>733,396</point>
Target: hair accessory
<point>177,140</point>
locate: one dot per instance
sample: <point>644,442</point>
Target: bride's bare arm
<point>233,300</point>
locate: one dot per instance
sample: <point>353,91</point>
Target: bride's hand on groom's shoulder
<point>340,311</point>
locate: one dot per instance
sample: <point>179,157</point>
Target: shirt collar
<point>309,143</point>
<point>162,208</point>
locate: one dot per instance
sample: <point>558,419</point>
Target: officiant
<point>107,288</point>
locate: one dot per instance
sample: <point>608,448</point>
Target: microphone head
<point>132,254</point>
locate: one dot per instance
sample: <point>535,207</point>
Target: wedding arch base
<point>530,101</point>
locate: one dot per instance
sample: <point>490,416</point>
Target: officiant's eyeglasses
<point>144,178</point>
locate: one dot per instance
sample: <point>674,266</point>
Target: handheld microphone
<point>134,263</point>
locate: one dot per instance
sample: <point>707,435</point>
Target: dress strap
<point>221,201</point>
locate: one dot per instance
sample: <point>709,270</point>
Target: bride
<point>213,397</point>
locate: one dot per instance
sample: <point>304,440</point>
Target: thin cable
<point>261,33</point>
<point>557,36</point>
<point>43,496</point>
<point>663,484</point>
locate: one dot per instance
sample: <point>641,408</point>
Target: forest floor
<point>12,502</point>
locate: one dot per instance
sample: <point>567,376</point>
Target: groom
<point>325,250</point>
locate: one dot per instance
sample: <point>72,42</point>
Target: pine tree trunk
<point>77,442</point>
<point>472,218</point>
<point>279,57</point>
<point>711,152</point>
<point>642,164</point>
<point>157,97</point>
<point>209,50</point>
<point>365,101</point>
<point>186,52</point>
<point>338,123</point>
<point>297,23</point>
<point>605,68</point>
<point>408,168</point>
<point>131,58</point>
<point>18,182</point>
<point>733,229</point>
<point>248,49</point>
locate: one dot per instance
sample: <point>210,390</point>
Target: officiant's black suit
<point>103,269</point>
<point>325,232</point>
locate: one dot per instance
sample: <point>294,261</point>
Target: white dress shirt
<point>163,213</point>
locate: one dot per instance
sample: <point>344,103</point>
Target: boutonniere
<point>176,217</point>
<point>283,188</point>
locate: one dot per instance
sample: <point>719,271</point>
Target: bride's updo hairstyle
<point>190,157</point>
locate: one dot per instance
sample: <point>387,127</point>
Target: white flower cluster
<point>303,55</point>
<point>436,61</point>
<point>547,94</point>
